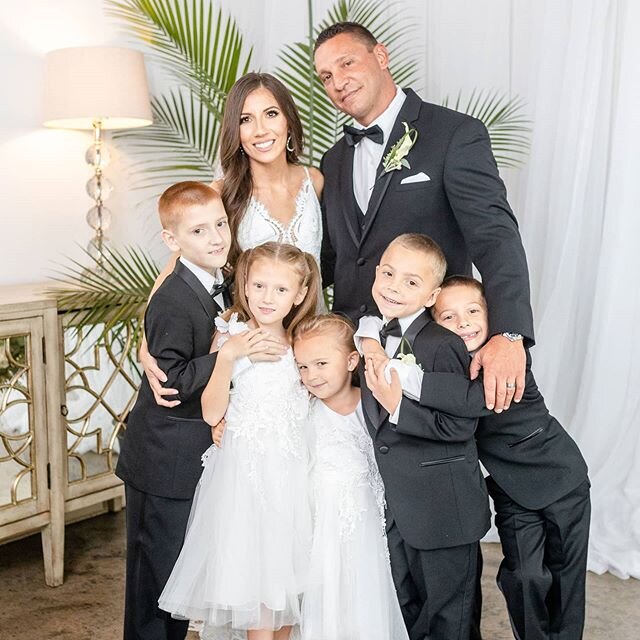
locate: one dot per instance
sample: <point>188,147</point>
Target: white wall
<point>466,45</point>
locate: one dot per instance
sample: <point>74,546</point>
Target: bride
<point>267,193</point>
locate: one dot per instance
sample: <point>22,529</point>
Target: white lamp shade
<point>88,84</point>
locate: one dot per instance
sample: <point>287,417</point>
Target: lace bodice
<point>342,455</point>
<point>304,230</point>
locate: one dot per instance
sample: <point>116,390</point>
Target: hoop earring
<point>289,149</point>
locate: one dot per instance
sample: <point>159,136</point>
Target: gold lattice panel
<point>17,473</point>
<point>101,381</point>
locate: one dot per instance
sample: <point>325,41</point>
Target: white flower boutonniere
<point>408,358</point>
<point>396,158</point>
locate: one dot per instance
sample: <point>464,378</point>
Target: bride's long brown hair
<point>238,183</point>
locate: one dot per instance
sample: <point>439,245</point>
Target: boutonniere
<point>396,158</point>
<point>407,357</point>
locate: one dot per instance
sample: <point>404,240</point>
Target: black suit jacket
<point>162,447</point>
<point>526,450</point>
<point>463,207</point>
<point>433,484</point>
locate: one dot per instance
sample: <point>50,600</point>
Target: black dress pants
<point>156,528</point>
<point>436,588</point>
<point>543,574</point>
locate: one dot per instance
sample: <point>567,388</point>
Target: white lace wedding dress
<point>245,557</point>
<point>304,230</point>
<point>350,594</point>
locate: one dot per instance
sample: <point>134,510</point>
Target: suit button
<point>383,449</point>
<point>360,262</point>
<point>363,308</point>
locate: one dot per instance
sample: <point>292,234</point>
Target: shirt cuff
<point>369,327</point>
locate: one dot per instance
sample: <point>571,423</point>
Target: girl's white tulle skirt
<point>245,557</point>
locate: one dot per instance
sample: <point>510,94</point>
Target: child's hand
<point>380,360</point>
<point>370,345</point>
<point>217,432</point>
<point>249,343</point>
<point>270,348</point>
<point>387,394</point>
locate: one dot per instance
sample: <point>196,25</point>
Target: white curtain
<point>579,211</point>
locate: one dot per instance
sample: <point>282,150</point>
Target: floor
<point>89,604</point>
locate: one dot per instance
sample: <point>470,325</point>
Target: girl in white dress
<point>245,557</point>
<point>350,594</point>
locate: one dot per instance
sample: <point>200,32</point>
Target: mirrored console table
<point>64,397</point>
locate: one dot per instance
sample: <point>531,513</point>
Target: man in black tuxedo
<point>451,191</point>
<point>160,458</point>
<point>437,504</point>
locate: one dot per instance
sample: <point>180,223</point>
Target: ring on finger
<point>511,385</point>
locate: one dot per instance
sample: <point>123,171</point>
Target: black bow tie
<point>353,135</point>
<point>392,328</point>
<point>219,288</point>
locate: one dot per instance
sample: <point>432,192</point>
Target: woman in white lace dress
<point>350,594</point>
<point>268,195</point>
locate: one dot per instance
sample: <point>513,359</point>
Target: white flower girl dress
<point>245,556</point>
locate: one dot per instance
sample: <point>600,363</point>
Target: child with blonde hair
<point>350,593</point>
<point>244,560</point>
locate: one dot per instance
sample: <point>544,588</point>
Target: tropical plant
<point>204,53</point>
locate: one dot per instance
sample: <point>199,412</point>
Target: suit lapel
<point>408,337</point>
<point>345,188</point>
<point>210,307</point>
<point>408,113</point>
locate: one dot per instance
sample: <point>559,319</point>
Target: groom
<point>450,191</point>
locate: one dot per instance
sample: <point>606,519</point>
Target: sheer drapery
<point>578,208</point>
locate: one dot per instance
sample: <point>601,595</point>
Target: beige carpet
<point>89,604</point>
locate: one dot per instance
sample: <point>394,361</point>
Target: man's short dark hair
<point>353,28</point>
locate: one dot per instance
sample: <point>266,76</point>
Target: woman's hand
<point>217,432</point>
<point>156,377</point>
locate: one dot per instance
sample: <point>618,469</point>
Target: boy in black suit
<point>538,479</point>
<point>538,483</point>
<point>437,499</point>
<point>160,459</point>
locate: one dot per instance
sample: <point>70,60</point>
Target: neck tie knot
<point>392,328</point>
<point>353,135</point>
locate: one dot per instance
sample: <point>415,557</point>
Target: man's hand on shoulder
<point>504,364</point>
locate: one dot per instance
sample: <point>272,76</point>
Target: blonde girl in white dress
<point>350,593</point>
<point>244,562</point>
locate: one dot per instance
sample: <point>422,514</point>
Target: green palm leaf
<point>509,130</point>
<point>321,120</point>
<point>205,54</point>
<point>112,293</point>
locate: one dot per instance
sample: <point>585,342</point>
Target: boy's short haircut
<point>176,198</point>
<point>463,281</point>
<point>428,247</point>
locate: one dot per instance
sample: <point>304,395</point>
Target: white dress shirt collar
<point>208,280</point>
<point>407,321</point>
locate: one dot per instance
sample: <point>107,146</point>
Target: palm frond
<point>205,54</point>
<point>321,120</point>
<point>112,293</point>
<point>508,127</point>
<point>181,143</point>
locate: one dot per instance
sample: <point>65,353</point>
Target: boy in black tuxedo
<point>160,459</point>
<point>538,479</point>
<point>436,497</point>
<point>538,482</point>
